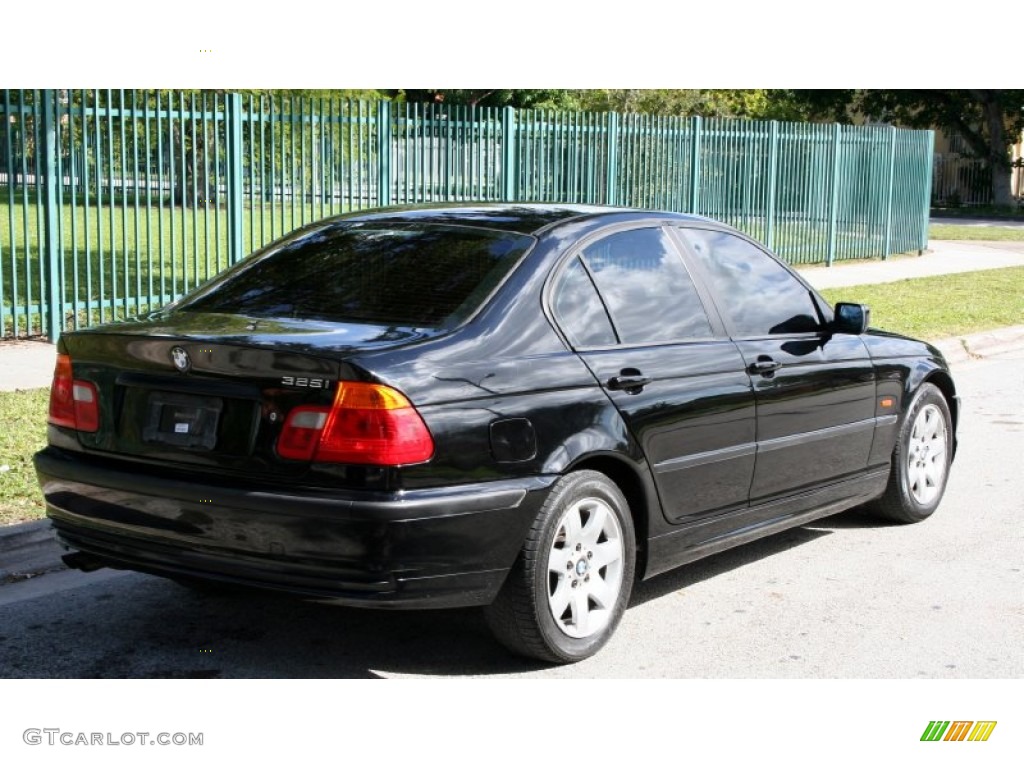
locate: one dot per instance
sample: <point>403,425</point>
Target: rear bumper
<point>433,548</point>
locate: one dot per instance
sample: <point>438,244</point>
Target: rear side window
<point>417,276</point>
<point>648,291</point>
<point>760,295</point>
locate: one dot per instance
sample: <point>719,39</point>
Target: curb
<point>977,346</point>
<point>27,550</point>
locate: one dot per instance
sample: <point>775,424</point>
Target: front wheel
<point>569,587</point>
<point>920,461</point>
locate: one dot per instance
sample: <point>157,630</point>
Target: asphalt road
<point>846,597</point>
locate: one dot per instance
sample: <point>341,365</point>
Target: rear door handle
<point>764,365</point>
<point>632,382</point>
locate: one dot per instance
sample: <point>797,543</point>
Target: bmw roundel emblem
<point>180,359</point>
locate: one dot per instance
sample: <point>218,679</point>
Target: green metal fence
<point>116,202</point>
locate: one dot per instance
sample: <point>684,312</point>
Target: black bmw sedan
<point>521,407</point>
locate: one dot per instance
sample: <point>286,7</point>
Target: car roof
<point>522,218</point>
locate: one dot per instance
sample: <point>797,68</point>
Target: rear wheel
<point>569,588</point>
<point>920,461</point>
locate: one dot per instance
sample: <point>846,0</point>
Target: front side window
<point>646,287</point>
<point>761,297</point>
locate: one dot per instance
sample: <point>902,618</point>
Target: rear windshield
<point>419,276</point>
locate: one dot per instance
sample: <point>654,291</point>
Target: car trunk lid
<point>214,391</point>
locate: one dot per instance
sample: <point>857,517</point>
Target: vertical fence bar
<point>695,170</point>
<point>303,191</point>
<point>834,194</point>
<point>160,198</point>
<point>251,117</point>
<point>611,189</point>
<point>9,120</point>
<point>51,247</point>
<point>38,169</point>
<point>929,153</point>
<point>191,205</point>
<point>174,182</point>
<point>151,302</point>
<point>773,170</point>
<point>125,282</point>
<point>291,163</point>
<point>5,140</point>
<point>384,153</point>
<point>508,155</point>
<point>262,199</point>
<point>26,249</point>
<point>73,159</point>
<point>236,246</point>
<point>215,195</point>
<point>135,181</point>
<point>205,192</point>
<point>269,151</point>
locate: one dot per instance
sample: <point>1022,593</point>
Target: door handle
<point>631,382</point>
<point>765,366</point>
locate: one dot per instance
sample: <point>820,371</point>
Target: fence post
<point>773,172</point>
<point>695,139</point>
<point>508,154</point>
<point>834,205</point>
<point>611,193</point>
<point>929,161</point>
<point>383,153</point>
<point>236,247</point>
<point>51,212</point>
<point>889,192</point>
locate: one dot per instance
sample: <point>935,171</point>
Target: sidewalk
<point>944,257</point>
<point>26,364</point>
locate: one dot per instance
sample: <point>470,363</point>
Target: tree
<point>550,98</point>
<point>989,121</point>
<point>756,104</point>
<point>749,103</point>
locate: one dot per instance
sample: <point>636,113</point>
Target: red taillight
<point>367,424</point>
<point>62,394</point>
<point>73,404</point>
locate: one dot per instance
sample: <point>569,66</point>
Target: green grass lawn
<point>942,306</point>
<point>974,232</point>
<point>23,415</point>
<point>929,308</point>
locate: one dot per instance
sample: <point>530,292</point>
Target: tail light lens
<point>367,424</point>
<point>74,404</point>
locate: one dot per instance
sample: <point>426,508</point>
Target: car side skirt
<point>692,542</point>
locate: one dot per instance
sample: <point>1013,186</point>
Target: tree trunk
<point>998,158</point>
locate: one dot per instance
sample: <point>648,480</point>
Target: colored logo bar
<point>958,730</point>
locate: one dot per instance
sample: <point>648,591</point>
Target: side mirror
<point>851,318</point>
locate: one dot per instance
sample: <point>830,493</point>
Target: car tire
<point>569,587</point>
<point>920,461</point>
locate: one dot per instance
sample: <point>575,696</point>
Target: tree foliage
<point>748,103</point>
<point>550,98</point>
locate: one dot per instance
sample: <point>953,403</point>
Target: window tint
<point>758,293</point>
<point>579,310</point>
<point>648,291</point>
<point>417,276</point>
